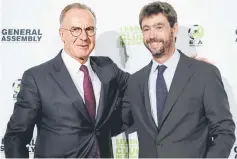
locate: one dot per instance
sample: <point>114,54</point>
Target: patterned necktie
<point>161,91</point>
<point>89,96</point>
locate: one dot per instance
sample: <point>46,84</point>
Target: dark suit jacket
<point>49,99</point>
<point>196,120</point>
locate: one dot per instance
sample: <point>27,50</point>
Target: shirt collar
<point>170,63</point>
<point>73,64</point>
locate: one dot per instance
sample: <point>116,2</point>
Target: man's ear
<point>61,34</point>
<point>175,29</point>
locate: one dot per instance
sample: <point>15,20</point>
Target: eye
<point>90,28</point>
<point>159,27</point>
<point>90,31</point>
<point>146,29</point>
<point>76,29</point>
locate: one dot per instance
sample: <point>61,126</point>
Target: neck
<point>81,60</point>
<point>165,57</point>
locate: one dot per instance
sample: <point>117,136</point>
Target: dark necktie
<point>89,96</point>
<point>161,91</point>
<point>90,102</point>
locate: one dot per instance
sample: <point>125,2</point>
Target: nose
<point>83,35</point>
<point>152,34</point>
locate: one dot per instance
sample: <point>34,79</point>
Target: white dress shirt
<point>73,67</point>
<point>171,65</point>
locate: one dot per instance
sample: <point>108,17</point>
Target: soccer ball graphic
<point>196,32</point>
<point>16,85</point>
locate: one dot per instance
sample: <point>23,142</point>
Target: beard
<point>163,49</point>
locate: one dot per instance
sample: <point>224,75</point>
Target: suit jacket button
<point>94,156</point>
<point>97,132</point>
<point>159,145</point>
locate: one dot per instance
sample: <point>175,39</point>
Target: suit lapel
<point>103,93</point>
<point>146,96</point>
<point>63,78</point>
<point>181,77</point>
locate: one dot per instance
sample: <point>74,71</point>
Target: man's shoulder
<point>140,74</point>
<point>43,67</point>
<point>101,60</point>
<point>199,65</point>
<point>203,67</point>
<point>203,70</point>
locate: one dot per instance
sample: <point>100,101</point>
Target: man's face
<point>158,36</point>
<point>76,20</point>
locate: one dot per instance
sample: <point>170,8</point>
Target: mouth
<point>154,45</point>
<point>83,46</point>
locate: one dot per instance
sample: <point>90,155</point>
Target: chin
<point>156,52</point>
<point>158,55</point>
<point>83,54</point>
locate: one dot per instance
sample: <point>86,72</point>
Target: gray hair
<point>74,5</point>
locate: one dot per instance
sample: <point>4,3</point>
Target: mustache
<point>155,40</point>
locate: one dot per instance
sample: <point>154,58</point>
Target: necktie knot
<point>161,91</point>
<point>161,69</point>
<point>84,69</point>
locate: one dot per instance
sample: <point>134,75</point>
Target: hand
<point>201,59</point>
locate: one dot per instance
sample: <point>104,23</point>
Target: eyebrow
<point>81,27</point>
<point>156,24</point>
<point>160,23</point>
